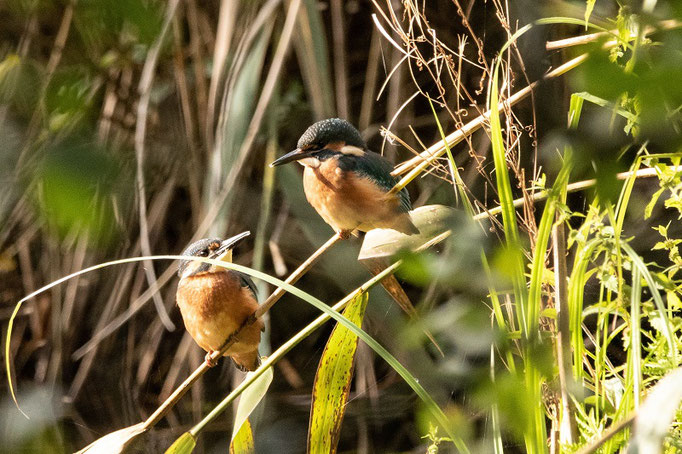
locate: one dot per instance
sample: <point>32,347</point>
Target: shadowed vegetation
<point>537,311</point>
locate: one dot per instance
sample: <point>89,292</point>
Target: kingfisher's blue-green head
<point>212,248</point>
<point>326,138</point>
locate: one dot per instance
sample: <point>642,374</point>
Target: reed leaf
<point>116,442</point>
<point>242,442</point>
<point>534,432</point>
<point>658,300</point>
<point>249,399</point>
<point>332,382</point>
<point>183,445</point>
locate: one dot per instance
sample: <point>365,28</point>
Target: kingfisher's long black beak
<point>229,244</point>
<point>291,156</point>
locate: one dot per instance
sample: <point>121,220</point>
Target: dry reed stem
<point>593,37</point>
<point>144,90</point>
<point>225,28</point>
<point>417,164</point>
<point>568,428</point>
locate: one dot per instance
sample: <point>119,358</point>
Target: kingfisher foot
<point>344,234</point>
<point>209,361</point>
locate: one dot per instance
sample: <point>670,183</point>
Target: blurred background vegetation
<point>131,127</point>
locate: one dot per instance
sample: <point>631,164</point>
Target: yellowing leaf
<point>242,441</point>
<point>332,382</point>
<point>183,445</point>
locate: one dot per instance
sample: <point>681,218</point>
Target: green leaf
<point>242,441</point>
<point>250,398</point>
<point>650,206</point>
<point>589,6</point>
<point>183,445</point>
<point>666,327</point>
<point>332,382</point>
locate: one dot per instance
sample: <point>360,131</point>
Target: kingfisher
<point>215,301</point>
<point>347,184</point>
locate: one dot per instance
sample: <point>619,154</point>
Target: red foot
<point>344,234</point>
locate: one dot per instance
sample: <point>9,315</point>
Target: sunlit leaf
<point>250,399</point>
<point>183,445</point>
<point>116,442</point>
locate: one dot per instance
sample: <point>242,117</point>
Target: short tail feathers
<point>247,362</point>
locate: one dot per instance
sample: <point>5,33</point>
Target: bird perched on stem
<point>215,302</point>
<point>346,183</point>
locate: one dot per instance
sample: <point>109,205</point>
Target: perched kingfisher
<point>347,183</point>
<point>215,301</point>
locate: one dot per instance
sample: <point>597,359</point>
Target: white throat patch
<point>310,161</point>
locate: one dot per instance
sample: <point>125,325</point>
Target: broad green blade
<point>183,445</point>
<point>332,382</point>
<point>250,398</point>
<point>431,220</point>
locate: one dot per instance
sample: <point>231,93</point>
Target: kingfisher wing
<point>248,283</point>
<point>378,169</point>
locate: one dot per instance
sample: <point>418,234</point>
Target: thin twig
<point>417,164</point>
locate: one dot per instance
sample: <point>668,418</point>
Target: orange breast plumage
<point>213,305</point>
<point>348,201</point>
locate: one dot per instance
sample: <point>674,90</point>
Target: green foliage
<point>77,188</point>
<point>68,102</point>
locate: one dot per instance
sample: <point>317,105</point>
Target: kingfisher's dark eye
<point>203,252</point>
